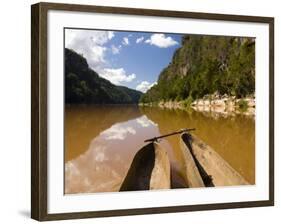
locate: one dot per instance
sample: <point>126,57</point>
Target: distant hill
<point>84,86</point>
<point>204,65</point>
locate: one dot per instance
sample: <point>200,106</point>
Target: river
<point>101,141</point>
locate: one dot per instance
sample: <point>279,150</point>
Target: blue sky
<point>132,59</point>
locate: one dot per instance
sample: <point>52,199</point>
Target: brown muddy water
<point>101,141</point>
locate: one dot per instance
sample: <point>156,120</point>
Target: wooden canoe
<point>213,169</point>
<point>150,169</point>
<point>192,175</point>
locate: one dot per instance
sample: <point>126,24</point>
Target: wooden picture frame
<point>39,109</point>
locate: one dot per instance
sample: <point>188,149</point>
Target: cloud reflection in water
<point>118,131</point>
<point>103,166</point>
<point>145,122</point>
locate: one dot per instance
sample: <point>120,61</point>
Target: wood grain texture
<point>271,111</point>
<point>38,112</point>
<point>192,175</point>
<point>161,173</point>
<point>221,172</point>
<point>35,191</point>
<point>149,170</point>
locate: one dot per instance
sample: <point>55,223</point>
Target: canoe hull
<point>215,171</point>
<point>150,169</point>
<point>192,175</point>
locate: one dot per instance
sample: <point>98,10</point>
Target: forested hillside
<point>83,85</point>
<point>204,65</point>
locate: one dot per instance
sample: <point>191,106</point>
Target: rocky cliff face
<point>204,65</point>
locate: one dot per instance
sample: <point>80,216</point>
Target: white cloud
<point>110,34</point>
<point>139,40</point>
<point>125,41</point>
<point>115,50</point>
<point>118,132</point>
<point>160,40</point>
<point>97,58</point>
<point>116,76</point>
<point>89,43</point>
<point>144,86</point>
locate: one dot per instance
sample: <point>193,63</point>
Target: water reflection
<point>103,165</point>
<point>84,123</point>
<point>145,122</point>
<point>118,131</point>
<point>100,142</point>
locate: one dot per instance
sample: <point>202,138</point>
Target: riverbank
<point>217,104</point>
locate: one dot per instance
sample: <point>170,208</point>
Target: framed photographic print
<point>138,111</point>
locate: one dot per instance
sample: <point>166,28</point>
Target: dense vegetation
<point>83,85</point>
<point>204,65</point>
